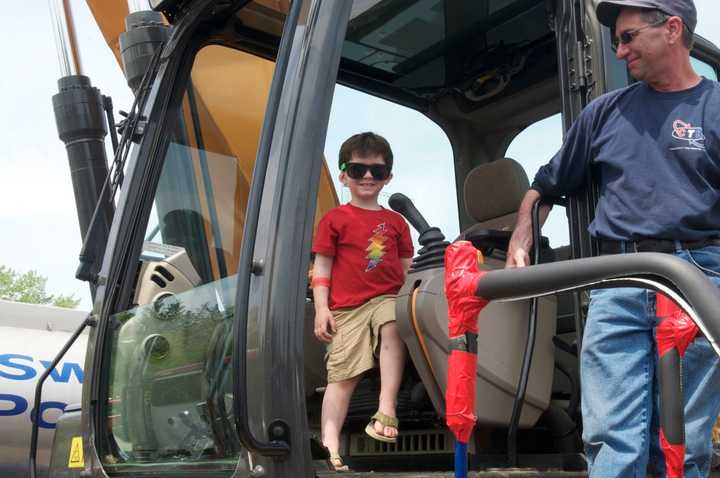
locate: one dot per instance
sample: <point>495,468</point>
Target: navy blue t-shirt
<point>657,160</point>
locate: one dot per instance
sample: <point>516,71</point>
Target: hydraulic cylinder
<point>145,33</point>
<point>80,119</point>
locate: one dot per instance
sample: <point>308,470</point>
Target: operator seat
<point>492,195</point>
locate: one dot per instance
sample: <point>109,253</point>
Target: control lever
<point>432,254</point>
<point>402,204</point>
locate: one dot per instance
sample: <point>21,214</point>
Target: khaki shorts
<point>356,342</point>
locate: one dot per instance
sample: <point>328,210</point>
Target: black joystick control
<point>432,253</point>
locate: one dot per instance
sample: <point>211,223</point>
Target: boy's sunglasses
<point>628,36</point>
<point>358,170</point>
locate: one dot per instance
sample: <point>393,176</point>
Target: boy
<point>362,253</point>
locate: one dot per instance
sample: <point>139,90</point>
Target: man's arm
<point>564,174</point>
<point>521,240</point>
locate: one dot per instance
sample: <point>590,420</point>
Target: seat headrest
<point>495,189</point>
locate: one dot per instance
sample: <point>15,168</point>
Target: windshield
<point>169,394</point>
<point>429,47</point>
<point>169,397</point>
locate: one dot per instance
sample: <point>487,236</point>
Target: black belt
<point>653,245</point>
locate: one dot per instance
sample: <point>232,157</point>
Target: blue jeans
<point>619,390</point>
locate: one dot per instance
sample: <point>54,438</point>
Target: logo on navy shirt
<point>691,136</point>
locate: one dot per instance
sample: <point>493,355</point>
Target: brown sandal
<point>386,421</point>
<point>335,463</point>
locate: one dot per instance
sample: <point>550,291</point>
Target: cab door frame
<point>583,77</point>
<point>275,257</point>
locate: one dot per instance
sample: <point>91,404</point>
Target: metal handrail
<point>35,413</point>
<point>674,277</point>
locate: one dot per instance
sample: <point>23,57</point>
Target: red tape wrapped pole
<point>674,334</point>
<point>461,280</point>
<point>460,394</point>
<point>675,330</point>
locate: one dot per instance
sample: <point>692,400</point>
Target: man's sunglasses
<point>628,36</point>
<point>358,170</point>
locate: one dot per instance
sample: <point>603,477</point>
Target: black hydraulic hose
<point>574,389</point>
<point>35,413</point>
<point>579,331</point>
<point>239,353</point>
<point>529,349</point>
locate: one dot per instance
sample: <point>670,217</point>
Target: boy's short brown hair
<point>364,145</point>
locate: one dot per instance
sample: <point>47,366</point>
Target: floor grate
<point>420,442</point>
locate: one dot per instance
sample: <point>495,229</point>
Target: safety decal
<point>75,460</point>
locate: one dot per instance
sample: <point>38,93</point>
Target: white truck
<point>30,337</point>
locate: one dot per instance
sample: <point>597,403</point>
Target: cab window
<point>533,148</point>
<point>421,151</point>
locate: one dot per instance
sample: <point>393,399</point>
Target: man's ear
<point>675,27</point>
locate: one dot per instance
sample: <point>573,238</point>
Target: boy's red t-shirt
<point>366,247</point>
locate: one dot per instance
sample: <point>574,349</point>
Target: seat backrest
<point>493,192</point>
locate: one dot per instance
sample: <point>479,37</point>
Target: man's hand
<point>324,325</point>
<point>521,240</point>
<point>517,256</point>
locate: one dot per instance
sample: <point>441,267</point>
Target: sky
<point>38,222</point>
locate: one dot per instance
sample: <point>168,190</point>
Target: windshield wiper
<point>132,130</point>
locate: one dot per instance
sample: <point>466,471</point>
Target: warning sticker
<point>75,460</point>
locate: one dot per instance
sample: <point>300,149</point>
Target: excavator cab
<point>202,362</point>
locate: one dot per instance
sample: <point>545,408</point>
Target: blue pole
<point>461,466</point>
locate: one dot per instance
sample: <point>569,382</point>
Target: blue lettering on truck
<point>19,367</point>
<point>21,372</point>
<point>67,370</point>
<point>26,372</point>
<point>18,405</point>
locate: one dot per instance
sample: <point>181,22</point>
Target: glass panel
<point>421,150</point>
<point>479,48</point>
<point>170,402</point>
<point>264,16</point>
<point>533,148</point>
<point>703,69</point>
<point>616,72</point>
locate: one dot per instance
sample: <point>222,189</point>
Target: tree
<point>30,288</point>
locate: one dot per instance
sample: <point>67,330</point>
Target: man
<point>655,149</point>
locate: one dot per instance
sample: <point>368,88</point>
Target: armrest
<point>489,240</point>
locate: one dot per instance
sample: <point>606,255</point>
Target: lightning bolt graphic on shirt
<point>376,249</point>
